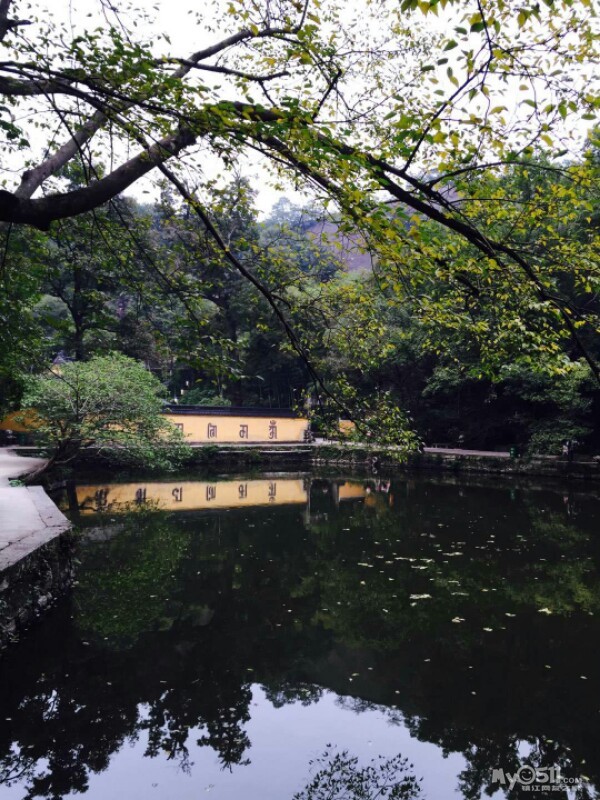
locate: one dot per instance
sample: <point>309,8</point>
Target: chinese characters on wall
<point>198,428</point>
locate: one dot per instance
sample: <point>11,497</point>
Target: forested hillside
<point>148,281</point>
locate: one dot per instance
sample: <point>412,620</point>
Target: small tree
<point>111,403</point>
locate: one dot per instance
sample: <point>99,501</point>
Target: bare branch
<point>235,73</point>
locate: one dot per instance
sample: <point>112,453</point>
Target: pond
<point>294,636</point>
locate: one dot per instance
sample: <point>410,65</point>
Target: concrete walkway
<point>15,466</point>
<point>444,451</point>
<point>28,518</point>
<point>457,451</point>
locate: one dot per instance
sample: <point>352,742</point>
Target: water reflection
<point>196,495</point>
<point>463,617</point>
<point>339,775</point>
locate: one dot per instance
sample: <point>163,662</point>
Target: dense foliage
<point>148,282</point>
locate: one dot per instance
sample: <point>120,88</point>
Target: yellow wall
<point>191,495</point>
<point>346,428</point>
<point>9,423</point>
<point>196,428</point>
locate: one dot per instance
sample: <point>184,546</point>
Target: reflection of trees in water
<point>171,621</point>
<point>339,776</point>
<point>478,685</point>
<point>183,615</point>
<point>542,753</point>
<point>55,739</point>
<point>121,596</point>
<point>359,705</point>
<point>284,692</point>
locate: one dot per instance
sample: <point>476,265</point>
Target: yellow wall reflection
<point>351,490</point>
<point>192,495</point>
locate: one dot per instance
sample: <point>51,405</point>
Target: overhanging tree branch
<point>41,212</point>
<point>7,24</point>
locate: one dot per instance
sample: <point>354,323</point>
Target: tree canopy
<point>449,135</point>
<point>109,402</point>
<point>353,103</point>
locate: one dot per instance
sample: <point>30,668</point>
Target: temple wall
<point>239,429</point>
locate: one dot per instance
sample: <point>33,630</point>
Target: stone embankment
<point>323,453</point>
<point>456,461</point>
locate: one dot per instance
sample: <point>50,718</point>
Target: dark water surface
<point>218,647</point>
